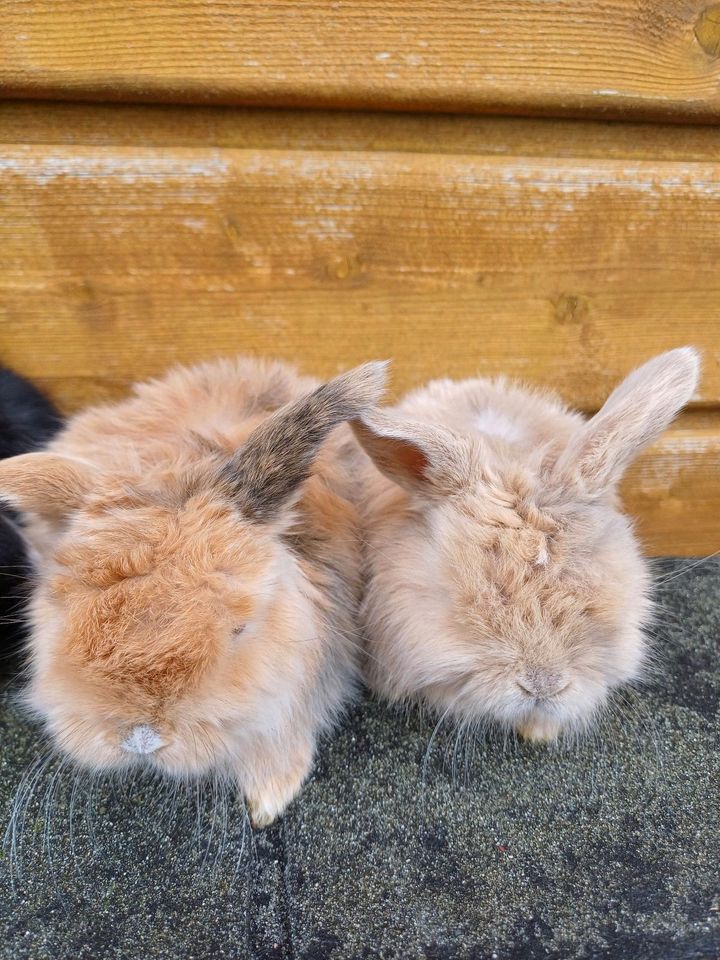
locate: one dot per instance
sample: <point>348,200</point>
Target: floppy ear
<point>45,484</point>
<point>267,471</point>
<point>635,414</point>
<point>424,459</point>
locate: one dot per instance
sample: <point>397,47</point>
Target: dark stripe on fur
<point>278,455</point>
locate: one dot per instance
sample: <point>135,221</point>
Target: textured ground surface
<point>607,851</point>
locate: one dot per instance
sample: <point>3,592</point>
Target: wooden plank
<point>46,122</point>
<point>124,260</point>
<point>612,57</point>
<point>674,489</point>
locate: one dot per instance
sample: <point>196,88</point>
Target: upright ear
<point>45,484</point>
<point>635,414</point>
<point>427,460</point>
<point>267,471</point>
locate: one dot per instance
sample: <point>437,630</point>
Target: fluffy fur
<point>27,421</point>
<point>504,582</point>
<point>198,577</point>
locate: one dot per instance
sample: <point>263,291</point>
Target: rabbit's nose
<point>542,684</point>
<point>142,739</point>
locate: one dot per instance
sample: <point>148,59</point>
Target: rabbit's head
<point>529,591</point>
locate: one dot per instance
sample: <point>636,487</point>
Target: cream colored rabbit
<point>505,584</point>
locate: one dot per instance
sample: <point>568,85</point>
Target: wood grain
<point>120,124</point>
<point>123,260</point>
<point>652,58</point>
<point>674,489</point>
<point>117,261</point>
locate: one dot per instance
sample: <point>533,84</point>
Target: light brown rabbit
<point>504,582</point>
<point>198,574</point>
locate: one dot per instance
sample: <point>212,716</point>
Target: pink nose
<point>542,684</point>
<point>142,739</point>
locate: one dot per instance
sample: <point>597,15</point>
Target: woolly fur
<point>505,585</point>
<point>199,574</point>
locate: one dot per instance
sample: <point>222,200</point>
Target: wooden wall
<point>240,204</point>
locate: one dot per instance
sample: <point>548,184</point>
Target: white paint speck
<point>120,167</point>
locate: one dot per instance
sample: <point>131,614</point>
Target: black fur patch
<point>27,421</point>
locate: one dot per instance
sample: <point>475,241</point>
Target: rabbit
<point>504,584</point>
<point>199,575</point>
<point>28,420</point>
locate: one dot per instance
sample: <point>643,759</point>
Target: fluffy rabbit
<point>504,582</point>
<point>27,421</point>
<point>199,570</point>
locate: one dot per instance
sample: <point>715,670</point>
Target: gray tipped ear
<point>421,458</point>
<point>267,471</point>
<point>45,484</point>
<point>635,414</point>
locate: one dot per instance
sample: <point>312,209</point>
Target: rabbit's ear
<point>635,414</point>
<point>427,460</point>
<point>267,471</point>
<point>45,484</point>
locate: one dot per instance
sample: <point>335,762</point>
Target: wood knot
<point>347,269</point>
<point>707,30</point>
<point>571,309</point>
